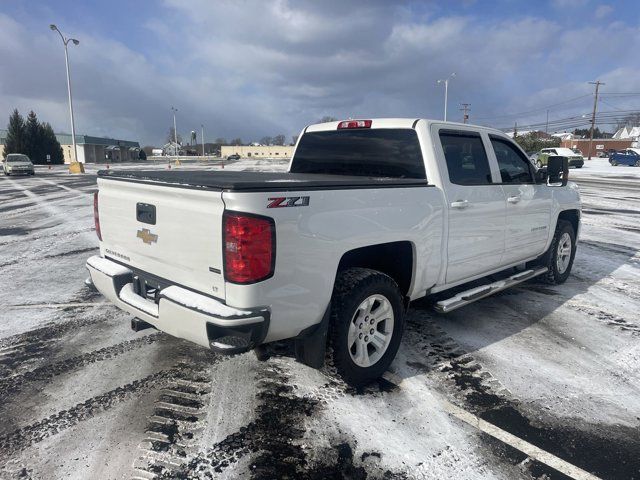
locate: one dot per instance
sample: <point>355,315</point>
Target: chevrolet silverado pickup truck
<point>371,215</point>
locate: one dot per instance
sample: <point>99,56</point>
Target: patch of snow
<point>106,266</point>
<point>127,295</point>
<point>200,302</point>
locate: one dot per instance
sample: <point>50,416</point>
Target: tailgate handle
<point>146,213</point>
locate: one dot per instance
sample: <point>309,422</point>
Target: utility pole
<point>546,128</point>
<point>597,83</point>
<point>465,109</point>
<point>515,130</point>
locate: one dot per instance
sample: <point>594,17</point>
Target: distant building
<point>258,151</point>
<point>598,145</point>
<point>92,149</point>
<point>629,133</point>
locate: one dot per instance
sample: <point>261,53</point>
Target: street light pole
<point>202,139</point>
<point>446,92</point>
<point>66,41</point>
<point>175,131</point>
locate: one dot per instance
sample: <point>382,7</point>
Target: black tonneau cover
<point>256,181</point>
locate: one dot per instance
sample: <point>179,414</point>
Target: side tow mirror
<point>541,175</point>
<point>557,171</point>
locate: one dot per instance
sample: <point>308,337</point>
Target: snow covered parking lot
<point>552,371</point>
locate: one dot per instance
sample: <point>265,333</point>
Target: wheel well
<point>571,216</point>
<point>394,259</point>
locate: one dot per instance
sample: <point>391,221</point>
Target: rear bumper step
<point>474,294</point>
<point>181,312</point>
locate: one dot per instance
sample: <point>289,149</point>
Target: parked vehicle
<point>234,156</point>
<point>17,164</point>
<point>371,215</point>
<point>575,160</point>
<point>534,158</point>
<point>630,156</point>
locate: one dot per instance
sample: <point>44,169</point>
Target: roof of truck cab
<point>397,123</point>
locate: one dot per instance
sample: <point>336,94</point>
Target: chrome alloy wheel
<point>563,256</point>
<point>370,330</point>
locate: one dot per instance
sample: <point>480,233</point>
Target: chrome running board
<point>473,294</point>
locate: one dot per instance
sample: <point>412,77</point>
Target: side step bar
<point>470,296</point>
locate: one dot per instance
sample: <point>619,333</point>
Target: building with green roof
<point>92,149</point>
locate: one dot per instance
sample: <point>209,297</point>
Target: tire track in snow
<point>13,384</point>
<point>65,419</point>
<point>588,447</point>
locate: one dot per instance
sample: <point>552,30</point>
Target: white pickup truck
<point>371,215</point>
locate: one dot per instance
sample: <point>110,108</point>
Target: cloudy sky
<point>254,68</point>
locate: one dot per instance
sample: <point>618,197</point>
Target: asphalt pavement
<point>535,382</point>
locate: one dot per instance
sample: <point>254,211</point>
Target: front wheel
<point>367,321</point>
<point>559,258</point>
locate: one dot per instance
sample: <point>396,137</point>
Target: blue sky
<point>249,68</point>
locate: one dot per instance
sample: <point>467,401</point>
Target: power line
<point>548,107</point>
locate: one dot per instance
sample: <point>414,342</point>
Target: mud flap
<point>311,346</point>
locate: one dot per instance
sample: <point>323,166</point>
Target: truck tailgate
<point>182,243</point>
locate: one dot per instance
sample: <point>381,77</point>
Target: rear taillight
<point>354,124</point>
<point>249,247</point>
<point>96,215</point>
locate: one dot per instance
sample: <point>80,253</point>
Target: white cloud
<point>603,11</point>
<point>256,68</point>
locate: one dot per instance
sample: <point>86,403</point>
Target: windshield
<point>382,152</point>
<point>17,158</point>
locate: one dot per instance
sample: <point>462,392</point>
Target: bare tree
<point>171,137</point>
<point>279,139</point>
<point>266,141</point>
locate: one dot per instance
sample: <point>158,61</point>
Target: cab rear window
<point>362,152</point>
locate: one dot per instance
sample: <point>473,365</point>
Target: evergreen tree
<point>50,145</point>
<point>33,142</point>
<point>15,142</point>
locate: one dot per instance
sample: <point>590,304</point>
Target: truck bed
<point>256,181</point>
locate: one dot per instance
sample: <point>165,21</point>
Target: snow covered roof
<point>627,132</point>
<point>563,135</point>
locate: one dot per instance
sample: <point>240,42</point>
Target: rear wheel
<point>367,321</point>
<point>559,258</point>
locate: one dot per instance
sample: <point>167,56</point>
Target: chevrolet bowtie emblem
<point>146,236</point>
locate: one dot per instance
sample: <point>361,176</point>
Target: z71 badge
<point>281,202</point>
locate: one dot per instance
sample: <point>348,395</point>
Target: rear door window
<point>382,152</point>
<point>466,157</point>
<point>514,167</point>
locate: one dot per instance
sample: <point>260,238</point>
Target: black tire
<point>614,163</point>
<point>352,287</point>
<point>554,276</point>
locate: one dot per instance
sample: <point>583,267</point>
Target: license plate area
<point>146,213</point>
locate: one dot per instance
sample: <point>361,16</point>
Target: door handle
<point>515,199</point>
<point>460,204</point>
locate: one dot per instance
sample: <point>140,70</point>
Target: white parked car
<point>371,215</point>
<point>17,164</point>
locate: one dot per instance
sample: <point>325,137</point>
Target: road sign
<point>48,158</point>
